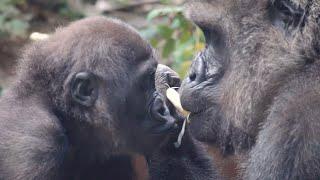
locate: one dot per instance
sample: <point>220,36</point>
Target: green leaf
<point>183,69</point>
<point>17,27</point>
<point>163,11</point>
<point>165,31</point>
<point>18,2</point>
<point>176,23</point>
<point>2,20</point>
<point>67,12</point>
<point>165,1</point>
<point>9,11</point>
<point>154,42</point>
<point>4,3</point>
<point>176,37</point>
<point>149,32</point>
<point>168,48</point>
<point>185,36</point>
<point>152,14</point>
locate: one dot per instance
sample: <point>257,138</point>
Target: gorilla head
<point>84,94</point>
<point>253,49</point>
<point>256,85</point>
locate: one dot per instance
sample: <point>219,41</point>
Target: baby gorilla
<point>82,96</point>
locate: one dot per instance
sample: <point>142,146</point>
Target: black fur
<point>188,162</point>
<point>254,90</point>
<point>84,100</point>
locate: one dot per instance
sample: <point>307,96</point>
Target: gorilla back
<point>85,94</point>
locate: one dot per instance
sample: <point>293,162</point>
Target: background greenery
<point>176,39</point>
<point>13,22</point>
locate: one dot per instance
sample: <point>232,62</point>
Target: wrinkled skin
<point>254,90</point>
<point>165,78</point>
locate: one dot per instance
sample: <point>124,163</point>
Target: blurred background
<point>161,22</point>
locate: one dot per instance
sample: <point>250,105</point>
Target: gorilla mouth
<point>203,114</point>
<point>197,109</point>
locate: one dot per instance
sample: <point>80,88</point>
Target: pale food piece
<point>174,98</point>
<point>178,143</point>
<point>36,36</point>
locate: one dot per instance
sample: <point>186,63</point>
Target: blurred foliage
<point>177,38</point>
<point>13,22</point>
<point>65,11</point>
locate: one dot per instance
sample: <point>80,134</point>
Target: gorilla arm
<point>188,162</point>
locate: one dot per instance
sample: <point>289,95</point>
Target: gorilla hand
<point>165,78</point>
<point>189,161</point>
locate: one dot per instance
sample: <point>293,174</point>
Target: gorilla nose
<point>161,114</point>
<point>191,92</point>
<point>197,74</point>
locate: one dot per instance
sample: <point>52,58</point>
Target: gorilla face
<point>145,115</point>
<point>252,47</point>
<point>121,92</point>
<point>200,91</point>
<point>99,75</point>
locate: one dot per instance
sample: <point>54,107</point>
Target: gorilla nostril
<point>192,76</point>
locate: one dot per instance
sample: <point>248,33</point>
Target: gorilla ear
<point>84,88</point>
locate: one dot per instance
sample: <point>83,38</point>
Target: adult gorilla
<point>255,89</point>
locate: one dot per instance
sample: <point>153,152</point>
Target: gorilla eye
<point>148,79</point>
<point>192,76</point>
<point>213,37</point>
<point>285,15</point>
